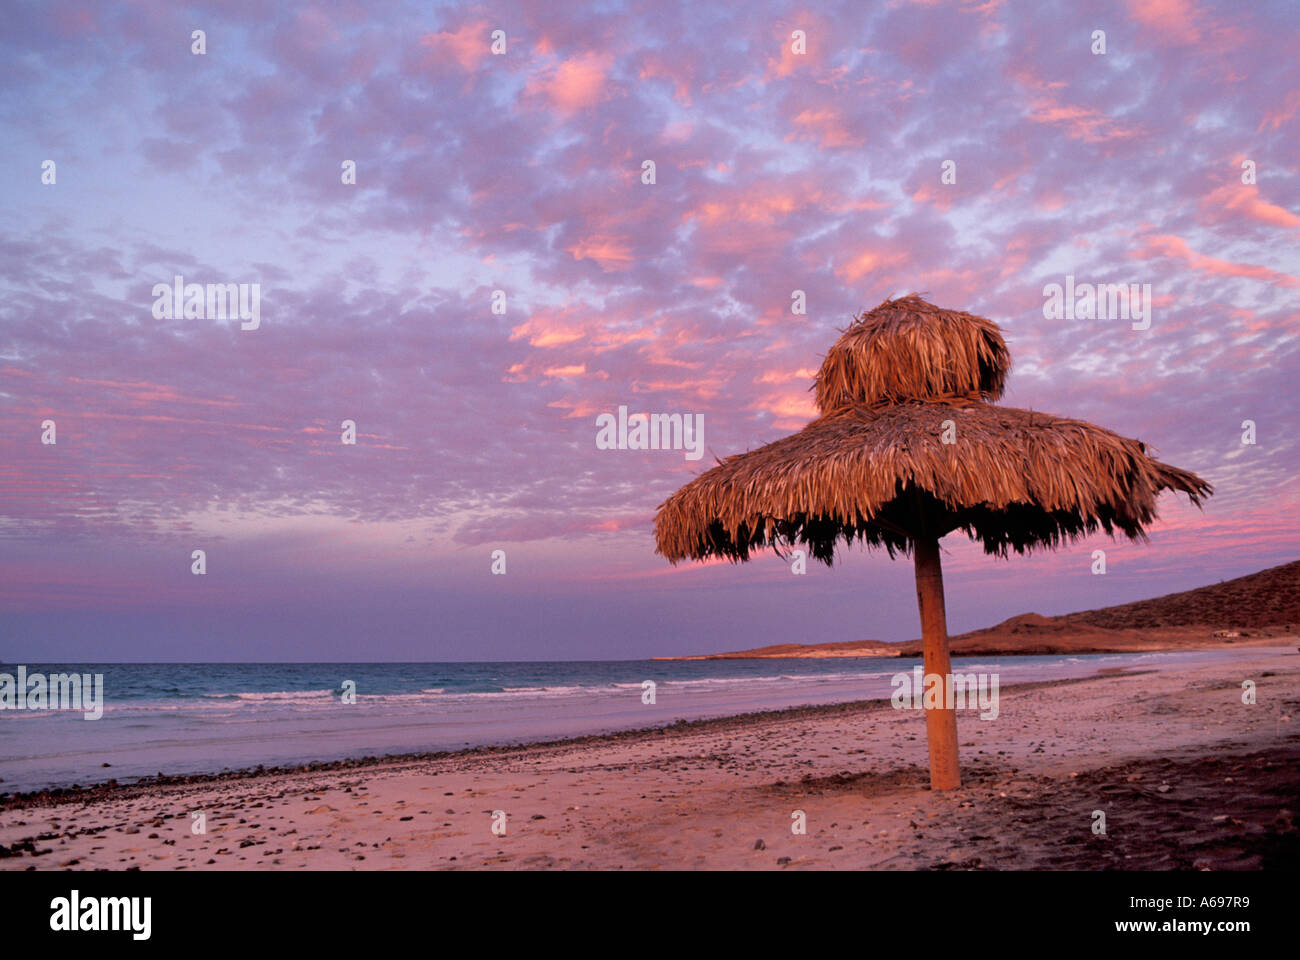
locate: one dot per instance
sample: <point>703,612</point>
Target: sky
<point>972,151</point>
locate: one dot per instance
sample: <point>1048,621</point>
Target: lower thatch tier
<point>1013,479</point>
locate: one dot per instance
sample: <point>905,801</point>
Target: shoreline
<point>1188,774</point>
<point>111,789</point>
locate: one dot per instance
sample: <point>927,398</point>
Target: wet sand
<point>1188,777</point>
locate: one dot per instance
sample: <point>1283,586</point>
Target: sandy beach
<point>1188,777</point>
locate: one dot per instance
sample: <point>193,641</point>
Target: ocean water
<point>208,717</point>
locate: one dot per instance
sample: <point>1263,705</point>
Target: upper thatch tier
<point>1013,480</point>
<point>908,349</point>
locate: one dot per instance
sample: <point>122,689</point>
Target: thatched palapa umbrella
<point>908,448</point>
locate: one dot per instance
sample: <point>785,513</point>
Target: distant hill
<point>1265,599</point>
<point>1251,609</point>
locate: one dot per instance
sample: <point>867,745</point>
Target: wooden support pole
<point>941,723</point>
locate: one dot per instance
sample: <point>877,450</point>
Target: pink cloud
<point>1281,114</point>
<point>867,262</point>
<point>681,73</point>
<point>1174,19</point>
<point>1243,199</point>
<point>611,253</point>
<point>827,126</point>
<point>790,409</point>
<point>576,83</point>
<point>786,61</point>
<point>468,46</point>
<point>549,329</point>
<point>1176,247</point>
<point>935,194</point>
<point>144,392</point>
<point>1079,123</point>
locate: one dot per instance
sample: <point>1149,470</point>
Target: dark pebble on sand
<point>759,844</point>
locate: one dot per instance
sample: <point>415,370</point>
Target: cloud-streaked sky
<point>522,172</point>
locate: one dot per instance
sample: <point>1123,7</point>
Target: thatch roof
<point>876,469</point>
<point>908,349</point>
